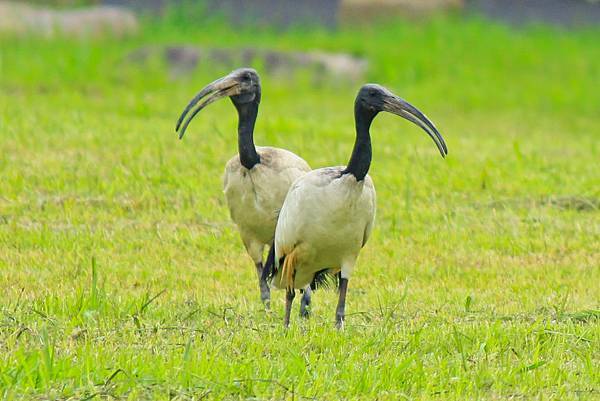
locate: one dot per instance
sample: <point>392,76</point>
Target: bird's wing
<point>281,158</point>
<point>371,192</point>
<point>233,187</point>
<point>232,167</point>
<point>287,230</point>
<point>303,206</point>
<point>274,176</point>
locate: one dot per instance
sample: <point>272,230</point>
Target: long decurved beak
<point>402,108</point>
<point>222,87</point>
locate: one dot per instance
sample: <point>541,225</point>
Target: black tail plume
<point>326,278</point>
<point>270,270</point>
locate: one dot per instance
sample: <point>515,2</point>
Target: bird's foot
<point>340,311</point>
<point>289,298</point>
<point>267,304</point>
<point>305,312</point>
<point>305,303</point>
<point>339,322</point>
<point>265,295</point>
<point>265,291</point>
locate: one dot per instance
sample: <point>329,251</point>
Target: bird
<point>329,213</point>
<point>257,178</point>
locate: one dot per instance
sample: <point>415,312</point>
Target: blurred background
<point>102,207</point>
<point>90,92</point>
<point>331,12</point>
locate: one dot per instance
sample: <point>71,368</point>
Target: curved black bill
<point>402,108</point>
<point>222,87</point>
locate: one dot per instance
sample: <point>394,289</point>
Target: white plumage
<point>324,199</point>
<point>329,213</point>
<point>254,196</point>
<point>257,179</point>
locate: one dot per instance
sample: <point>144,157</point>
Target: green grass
<point>121,274</point>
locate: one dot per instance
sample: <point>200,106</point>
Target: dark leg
<point>305,303</point>
<point>341,307</point>
<point>290,294</point>
<point>265,292</point>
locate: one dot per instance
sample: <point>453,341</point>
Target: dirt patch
<point>183,60</point>
<point>578,203</point>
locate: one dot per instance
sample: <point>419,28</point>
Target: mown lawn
<point>122,276</point>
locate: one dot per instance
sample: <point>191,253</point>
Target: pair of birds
<point>315,221</point>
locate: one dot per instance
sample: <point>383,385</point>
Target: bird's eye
<point>246,77</point>
<point>372,93</point>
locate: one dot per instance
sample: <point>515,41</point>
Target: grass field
<point>122,276</point>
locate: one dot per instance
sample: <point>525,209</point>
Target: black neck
<point>360,161</point>
<point>247,114</point>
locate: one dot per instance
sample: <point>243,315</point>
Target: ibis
<point>257,179</point>
<point>328,213</point>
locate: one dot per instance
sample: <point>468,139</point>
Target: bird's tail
<point>288,270</point>
<point>326,278</point>
<point>286,264</point>
<point>270,269</point>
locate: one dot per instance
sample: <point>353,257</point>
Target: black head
<point>373,98</point>
<point>249,86</point>
<point>242,86</point>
